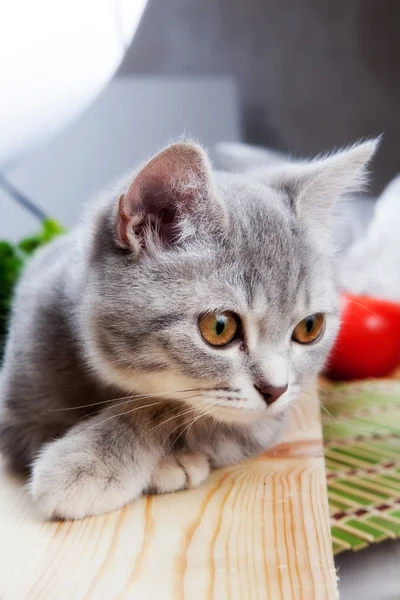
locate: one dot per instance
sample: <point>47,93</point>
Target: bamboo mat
<point>361,425</point>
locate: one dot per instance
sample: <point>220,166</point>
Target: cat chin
<point>239,415</point>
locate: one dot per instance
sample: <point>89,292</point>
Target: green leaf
<point>12,259</point>
<point>51,229</point>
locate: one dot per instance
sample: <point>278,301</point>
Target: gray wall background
<point>312,74</point>
<point>132,119</point>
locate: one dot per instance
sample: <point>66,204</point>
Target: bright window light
<point>55,57</point>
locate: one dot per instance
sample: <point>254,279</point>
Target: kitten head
<point>217,288</point>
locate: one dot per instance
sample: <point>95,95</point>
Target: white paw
<point>69,484</point>
<point>196,466</point>
<point>179,471</point>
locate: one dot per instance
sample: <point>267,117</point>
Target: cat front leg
<point>100,465</point>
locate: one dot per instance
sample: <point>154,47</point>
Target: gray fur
<point>107,389</point>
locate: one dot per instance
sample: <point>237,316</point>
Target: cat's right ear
<point>312,188</point>
<point>166,198</point>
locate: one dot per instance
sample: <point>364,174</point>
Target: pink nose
<point>269,392</point>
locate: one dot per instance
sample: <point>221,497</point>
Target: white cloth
<point>371,266</point>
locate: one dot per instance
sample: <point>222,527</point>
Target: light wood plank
<point>256,531</point>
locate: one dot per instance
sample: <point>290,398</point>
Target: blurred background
<point>90,88</point>
<point>310,74</point>
<point>93,87</point>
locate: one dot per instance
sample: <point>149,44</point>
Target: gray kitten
<point>169,333</point>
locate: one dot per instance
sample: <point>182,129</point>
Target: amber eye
<point>309,329</point>
<point>218,329</point>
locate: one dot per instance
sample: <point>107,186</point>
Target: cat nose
<point>269,392</point>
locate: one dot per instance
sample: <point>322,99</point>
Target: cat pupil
<point>309,324</point>
<point>220,325</point>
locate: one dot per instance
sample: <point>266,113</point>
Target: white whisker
<point>202,414</point>
<point>120,414</point>
<point>132,398</point>
<point>189,422</point>
<point>179,425</point>
<point>180,414</point>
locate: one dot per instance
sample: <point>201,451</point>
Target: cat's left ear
<point>166,199</point>
<point>314,187</point>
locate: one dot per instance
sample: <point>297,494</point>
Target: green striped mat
<point>361,424</point>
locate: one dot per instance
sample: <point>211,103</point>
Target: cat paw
<point>180,471</point>
<point>71,485</point>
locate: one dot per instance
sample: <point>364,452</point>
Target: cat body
<point>118,379</point>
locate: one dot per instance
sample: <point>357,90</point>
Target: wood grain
<point>256,531</point>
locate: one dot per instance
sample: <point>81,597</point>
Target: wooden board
<point>256,531</point>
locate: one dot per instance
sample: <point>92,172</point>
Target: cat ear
<point>173,187</point>
<point>314,187</point>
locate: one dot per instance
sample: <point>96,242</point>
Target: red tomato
<point>368,344</point>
